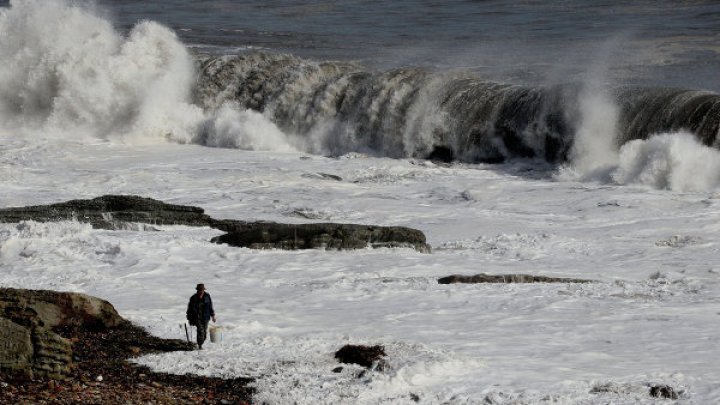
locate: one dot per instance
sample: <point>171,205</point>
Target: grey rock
<point>663,391</point>
<point>271,235</point>
<point>120,211</point>
<point>110,212</point>
<point>366,356</point>
<point>507,278</point>
<point>319,175</point>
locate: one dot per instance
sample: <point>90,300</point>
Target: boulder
<point>362,355</point>
<point>507,278</point>
<point>28,318</point>
<point>663,391</point>
<point>52,309</point>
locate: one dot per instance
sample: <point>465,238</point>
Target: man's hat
<point>200,287</point>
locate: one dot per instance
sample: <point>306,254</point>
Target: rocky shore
<point>68,348</point>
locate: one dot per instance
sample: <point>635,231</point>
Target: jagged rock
<point>365,356</point>
<point>110,212</point>
<point>30,346</point>
<point>118,212</point>
<point>271,235</point>
<point>507,278</point>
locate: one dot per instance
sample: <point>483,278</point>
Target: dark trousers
<point>201,332</point>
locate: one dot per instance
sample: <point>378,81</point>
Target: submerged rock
<point>507,278</point>
<point>121,211</point>
<point>362,355</point>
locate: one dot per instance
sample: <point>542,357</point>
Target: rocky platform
<point>67,348</point>
<point>122,211</point>
<point>507,278</point>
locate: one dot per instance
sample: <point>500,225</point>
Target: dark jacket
<point>193,309</point>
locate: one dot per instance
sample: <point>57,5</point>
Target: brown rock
<point>30,346</point>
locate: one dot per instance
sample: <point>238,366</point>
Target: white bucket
<point>216,334</point>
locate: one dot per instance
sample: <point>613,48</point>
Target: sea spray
<point>230,126</point>
<point>669,161</point>
<point>67,70</point>
<point>69,73</point>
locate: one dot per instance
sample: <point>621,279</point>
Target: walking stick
<point>187,335</point>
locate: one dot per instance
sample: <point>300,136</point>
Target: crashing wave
<point>341,107</point>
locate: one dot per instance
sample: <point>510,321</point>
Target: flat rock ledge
<point>270,235</point>
<point>507,278</point>
<point>122,211</point>
<point>68,348</point>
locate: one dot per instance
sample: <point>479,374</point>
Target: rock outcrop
<point>28,319</point>
<point>110,212</point>
<point>271,235</point>
<point>507,278</point>
<point>119,212</point>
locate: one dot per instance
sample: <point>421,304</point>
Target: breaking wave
<point>67,71</point>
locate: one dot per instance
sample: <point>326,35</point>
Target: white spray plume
<point>674,161</point>
<point>65,69</point>
<point>232,127</point>
<point>594,151</point>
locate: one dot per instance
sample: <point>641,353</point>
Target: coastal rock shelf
<point>507,278</point>
<point>121,211</point>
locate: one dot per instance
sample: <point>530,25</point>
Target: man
<point>199,312</point>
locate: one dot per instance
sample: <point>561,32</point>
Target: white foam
<point>66,70</point>
<point>68,73</point>
<point>672,161</point>
<point>233,127</point>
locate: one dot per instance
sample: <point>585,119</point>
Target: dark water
<point>652,43</point>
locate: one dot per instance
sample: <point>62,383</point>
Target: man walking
<point>199,312</point>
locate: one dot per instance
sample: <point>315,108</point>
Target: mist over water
<point>70,74</point>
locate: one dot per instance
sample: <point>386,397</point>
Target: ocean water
<point>564,139</point>
<point>659,43</point>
